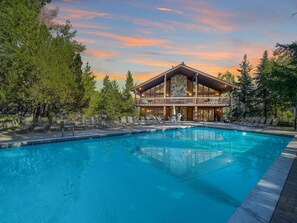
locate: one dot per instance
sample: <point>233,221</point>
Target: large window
<point>205,114</point>
<point>157,91</point>
<point>154,111</point>
<point>204,91</point>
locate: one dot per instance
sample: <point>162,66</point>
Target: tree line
<point>268,89</point>
<point>41,69</point>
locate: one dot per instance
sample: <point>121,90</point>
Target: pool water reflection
<point>191,175</point>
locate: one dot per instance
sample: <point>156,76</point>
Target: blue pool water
<point>191,175</point>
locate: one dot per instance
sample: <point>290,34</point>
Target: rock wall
<point>179,86</point>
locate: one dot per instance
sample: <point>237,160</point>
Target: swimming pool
<point>190,175</point>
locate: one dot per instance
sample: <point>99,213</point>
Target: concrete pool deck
<point>272,200</point>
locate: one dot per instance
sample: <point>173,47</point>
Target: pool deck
<point>274,199</point>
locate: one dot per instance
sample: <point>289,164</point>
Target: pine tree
<point>110,103</point>
<point>91,97</point>
<point>245,92</point>
<point>284,74</point>
<point>227,76</point>
<point>128,102</point>
<point>262,93</point>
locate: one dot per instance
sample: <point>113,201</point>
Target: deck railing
<point>218,101</point>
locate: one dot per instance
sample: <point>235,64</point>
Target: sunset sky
<point>149,36</point>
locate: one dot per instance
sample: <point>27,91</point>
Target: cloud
<point>155,63</point>
<point>81,14</point>
<point>117,77</point>
<point>149,23</point>
<point>100,54</point>
<point>80,25</point>
<point>145,75</point>
<point>87,40</point>
<point>205,18</point>
<point>218,24</point>
<point>129,41</point>
<point>168,10</point>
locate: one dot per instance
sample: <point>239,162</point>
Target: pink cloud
<point>130,41</point>
<point>80,25</point>
<point>149,23</point>
<point>81,14</point>
<point>168,10</point>
<point>100,54</point>
<point>155,63</point>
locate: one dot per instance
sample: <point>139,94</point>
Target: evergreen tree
<point>245,92</point>
<point>91,97</point>
<point>128,102</point>
<point>40,73</point>
<point>110,103</point>
<point>284,74</point>
<point>227,76</point>
<point>262,92</point>
<point>228,112</point>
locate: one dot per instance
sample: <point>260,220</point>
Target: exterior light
<point>190,94</point>
<point>167,94</point>
<point>142,95</point>
<point>140,88</point>
<point>225,85</point>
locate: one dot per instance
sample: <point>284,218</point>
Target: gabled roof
<point>203,78</point>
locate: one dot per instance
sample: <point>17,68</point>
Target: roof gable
<point>203,78</point>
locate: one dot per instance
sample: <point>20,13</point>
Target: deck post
<point>196,85</point>
<point>135,105</point>
<point>165,77</point>
<point>164,96</point>
<point>196,113</point>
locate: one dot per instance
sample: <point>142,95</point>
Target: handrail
<point>224,101</point>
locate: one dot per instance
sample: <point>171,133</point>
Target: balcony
<point>184,101</point>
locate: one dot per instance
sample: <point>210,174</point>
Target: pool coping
<point>13,144</point>
<point>260,203</point>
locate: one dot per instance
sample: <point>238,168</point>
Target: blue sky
<point>148,37</point>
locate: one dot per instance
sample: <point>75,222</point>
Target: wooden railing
<point>218,101</point>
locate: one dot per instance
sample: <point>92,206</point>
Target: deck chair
<point>79,124</point>
<point>154,120</point>
<point>124,121</point>
<point>142,120</point>
<point>260,122</point>
<point>159,120</point>
<point>248,121</point>
<point>267,123</point>
<point>55,125</point>
<point>275,122</point>
<point>42,124</point>
<point>90,122</point>
<point>136,120</point>
<point>67,124</point>
<point>131,121</point>
<point>26,125</point>
<point>257,121</point>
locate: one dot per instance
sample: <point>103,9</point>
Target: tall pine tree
<point>284,74</point>
<point>128,102</point>
<point>110,103</point>
<point>262,93</point>
<point>245,83</point>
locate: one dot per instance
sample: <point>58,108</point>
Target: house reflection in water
<point>184,163</point>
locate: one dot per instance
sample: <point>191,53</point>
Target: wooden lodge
<point>183,90</point>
